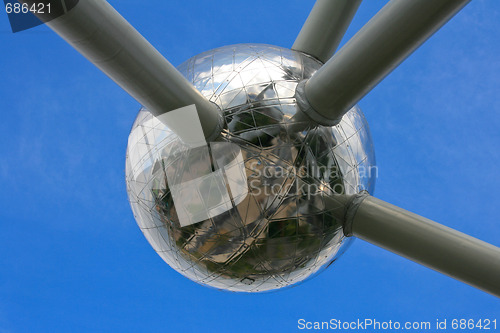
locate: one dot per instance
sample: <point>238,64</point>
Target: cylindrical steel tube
<point>379,47</point>
<point>426,242</point>
<point>105,38</point>
<point>324,28</point>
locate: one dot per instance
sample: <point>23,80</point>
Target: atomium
<point>249,166</point>
<point>277,231</point>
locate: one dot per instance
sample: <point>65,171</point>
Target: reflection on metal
<point>198,191</point>
<point>268,226</point>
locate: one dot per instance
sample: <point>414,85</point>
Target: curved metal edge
<point>351,209</point>
<point>221,124</point>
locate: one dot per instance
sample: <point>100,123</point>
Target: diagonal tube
<point>324,28</point>
<point>426,242</point>
<point>105,38</point>
<point>379,47</point>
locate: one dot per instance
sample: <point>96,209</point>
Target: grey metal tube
<point>379,47</point>
<point>105,38</point>
<point>324,28</point>
<point>426,242</point>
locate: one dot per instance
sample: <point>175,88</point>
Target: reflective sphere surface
<point>264,225</point>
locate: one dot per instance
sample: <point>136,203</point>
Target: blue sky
<point>73,259</point>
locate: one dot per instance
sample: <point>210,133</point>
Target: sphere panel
<point>265,224</point>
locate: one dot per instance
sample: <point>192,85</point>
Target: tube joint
<point>306,107</point>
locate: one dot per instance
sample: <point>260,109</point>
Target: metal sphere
<point>279,231</point>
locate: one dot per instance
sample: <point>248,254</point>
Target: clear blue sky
<point>73,259</point>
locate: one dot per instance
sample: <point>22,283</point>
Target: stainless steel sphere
<point>275,230</point>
